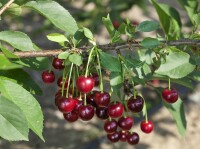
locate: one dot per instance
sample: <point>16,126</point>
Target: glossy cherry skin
<point>135,104</point>
<point>115,110</point>
<point>170,96</point>
<point>91,99</point>
<point>113,137</point>
<point>48,77</point>
<point>58,63</point>
<point>122,135</point>
<point>86,113</point>
<point>66,105</point>
<point>133,138</point>
<point>71,116</point>
<point>102,113</point>
<point>102,99</point>
<point>125,123</point>
<point>84,84</point>
<point>60,82</point>
<point>147,127</point>
<point>110,126</point>
<point>116,24</point>
<point>78,104</point>
<point>95,76</point>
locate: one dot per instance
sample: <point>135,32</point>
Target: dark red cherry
<point>71,116</point>
<point>78,104</point>
<point>60,82</point>
<point>122,135</point>
<point>147,127</point>
<point>102,99</point>
<point>102,113</point>
<point>66,104</point>
<point>135,104</point>
<point>133,138</point>
<point>170,96</point>
<point>91,98</point>
<point>86,112</point>
<point>110,126</point>
<point>95,76</point>
<point>48,77</point>
<point>58,63</point>
<point>113,137</point>
<point>115,110</point>
<point>116,24</point>
<point>125,123</point>
<point>84,84</point>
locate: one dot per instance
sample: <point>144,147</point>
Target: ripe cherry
<point>122,135</point>
<point>95,76</point>
<point>78,104</point>
<point>86,112</point>
<point>132,138</point>
<point>116,24</point>
<point>71,116</point>
<point>58,63</point>
<point>91,99</point>
<point>110,126</point>
<point>60,82</point>
<point>48,77</point>
<point>170,96</point>
<point>135,104</point>
<point>115,110</point>
<point>102,99</point>
<point>102,113</point>
<point>147,127</point>
<point>113,137</point>
<point>125,123</point>
<point>66,105</point>
<point>85,84</point>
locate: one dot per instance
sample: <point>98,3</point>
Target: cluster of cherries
<point>117,124</point>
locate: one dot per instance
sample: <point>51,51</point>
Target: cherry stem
<point>169,85</point>
<point>146,114</point>
<point>69,79</point>
<point>85,101</point>
<point>89,59</point>
<point>134,91</point>
<point>100,74</point>
<point>73,81</point>
<point>131,130</point>
<point>64,76</point>
<point>50,68</point>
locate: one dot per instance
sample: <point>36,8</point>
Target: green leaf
<point>5,64</point>
<point>177,65</point>
<point>14,9</point>
<point>133,62</point>
<point>64,55</point>
<point>149,42</point>
<point>26,102</point>
<point>143,72</point>
<point>177,111</point>
<point>22,78</point>
<point>110,62</point>
<point>76,59</point>
<point>108,23</point>
<point>147,26</point>
<point>169,19</point>
<point>57,37</point>
<point>17,39</point>
<point>57,14</point>
<point>7,52</point>
<point>116,79</point>
<point>88,33</point>
<point>196,19</point>
<point>195,75</point>
<point>13,123</point>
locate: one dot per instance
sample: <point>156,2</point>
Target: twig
<point>115,46</point>
<point>6,6</point>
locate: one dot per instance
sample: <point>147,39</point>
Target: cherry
<point>48,77</point>
<point>113,137</point>
<point>122,135</point>
<point>86,112</point>
<point>90,99</point>
<point>102,99</point>
<point>116,24</point>
<point>102,113</point>
<point>110,126</point>
<point>135,104</point>
<point>146,127</point>
<point>132,138</point>
<point>65,104</point>
<point>84,84</point>
<point>95,76</point>
<point>170,96</point>
<point>57,63</point>
<point>78,104</point>
<point>71,116</point>
<point>115,110</point>
<point>60,82</point>
<point>125,123</point>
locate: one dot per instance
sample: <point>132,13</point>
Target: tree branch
<point>115,46</point>
<point>6,6</point>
